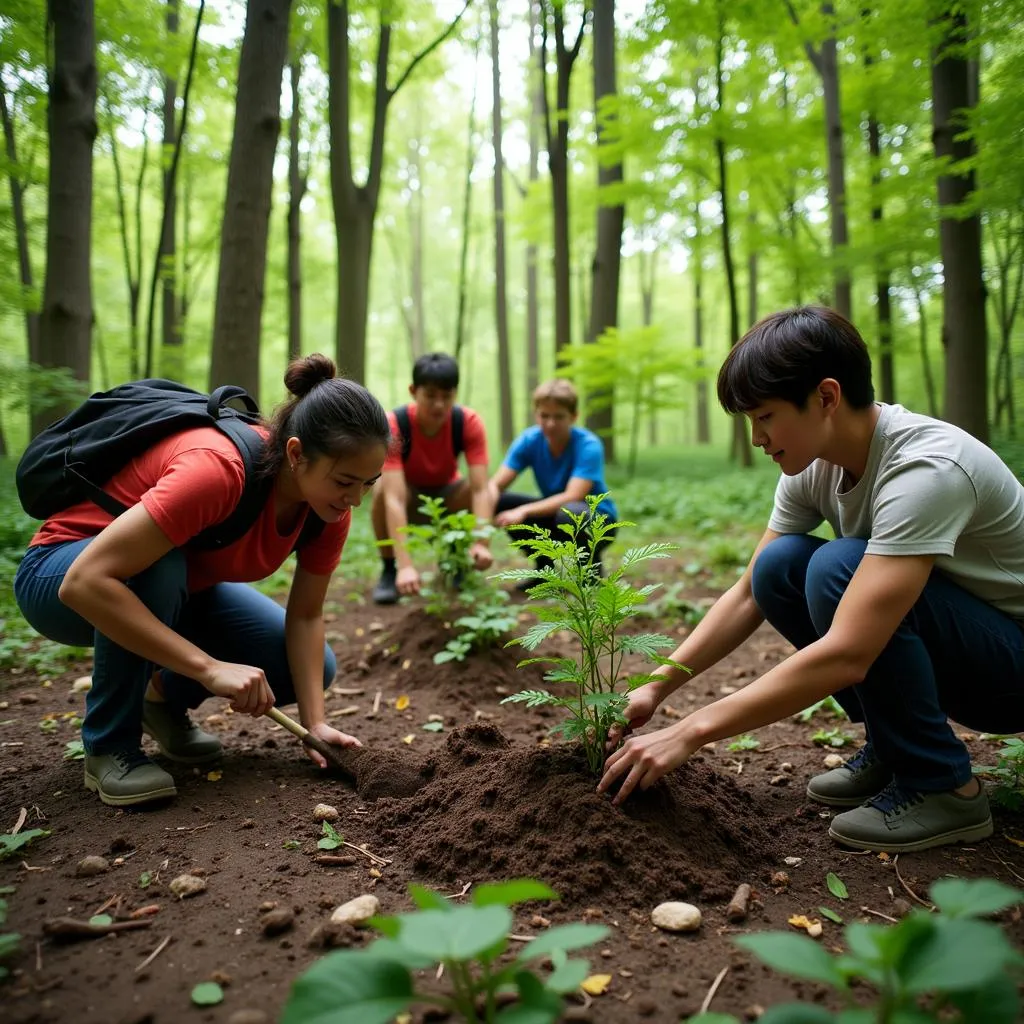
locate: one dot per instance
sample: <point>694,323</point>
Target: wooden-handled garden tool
<point>332,754</point>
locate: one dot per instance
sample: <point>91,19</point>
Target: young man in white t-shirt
<point>915,612</point>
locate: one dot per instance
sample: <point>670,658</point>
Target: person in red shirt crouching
<point>430,433</point>
<point>133,589</point>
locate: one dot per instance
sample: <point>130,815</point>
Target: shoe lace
<point>894,798</point>
<point>126,760</point>
<point>862,760</point>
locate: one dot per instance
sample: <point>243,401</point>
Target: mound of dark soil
<point>497,811</point>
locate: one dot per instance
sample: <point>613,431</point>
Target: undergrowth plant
<point>948,966</point>
<point>1007,773</point>
<point>9,941</point>
<point>593,608</point>
<point>374,985</point>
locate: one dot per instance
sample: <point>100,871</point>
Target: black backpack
<point>405,428</point>
<point>71,459</point>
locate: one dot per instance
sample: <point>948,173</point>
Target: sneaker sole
<point>387,599</point>
<point>178,758</point>
<point>128,800</point>
<point>960,835</point>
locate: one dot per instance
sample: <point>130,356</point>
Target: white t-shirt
<point>929,488</point>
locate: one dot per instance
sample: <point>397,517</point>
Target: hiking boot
<point>127,777</point>
<point>178,737</point>
<point>900,819</point>
<point>386,591</point>
<point>852,783</point>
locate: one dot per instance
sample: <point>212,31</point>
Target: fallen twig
<point>376,702</point>
<point>147,911</point>
<point>347,691</point>
<point>714,988</point>
<point>185,828</point>
<point>522,938</point>
<point>29,867</point>
<point>457,895</point>
<point>366,853</point>
<point>910,892</point>
<point>739,904</point>
<point>1008,868</point>
<point>22,815</point>
<point>152,956</point>
<point>107,904</point>
<point>335,860</point>
<point>69,929</point>
<point>875,913</point>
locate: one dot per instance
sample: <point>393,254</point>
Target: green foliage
<point>331,838</point>
<point>1007,773</point>
<point>490,620</point>
<point>373,985</point>
<point>74,750</point>
<point>832,738</point>
<point>828,706</point>
<point>744,742</point>
<point>12,843</point>
<point>593,609</point>
<point>949,966</point>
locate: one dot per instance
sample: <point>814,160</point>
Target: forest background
<point>615,191</point>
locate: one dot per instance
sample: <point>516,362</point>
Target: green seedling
<point>48,725</point>
<point>331,840</point>
<point>145,880</point>
<point>291,844</point>
<point>832,738</point>
<point>950,966</point>
<point>470,943</point>
<point>593,608</point>
<point>827,706</point>
<point>74,750</point>
<point>11,843</point>
<point>490,621</point>
<point>744,742</point>
<point>1007,773</point>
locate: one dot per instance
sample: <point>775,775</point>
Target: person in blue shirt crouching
<point>567,463</point>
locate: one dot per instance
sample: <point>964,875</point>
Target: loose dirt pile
<point>498,811</point>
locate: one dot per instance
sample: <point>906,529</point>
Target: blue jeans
<point>230,621</point>
<point>953,655</point>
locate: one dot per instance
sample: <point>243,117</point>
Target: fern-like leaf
<point>532,698</point>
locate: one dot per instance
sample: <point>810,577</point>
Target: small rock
<point>793,862</point>
<point>28,698</point>
<point>678,989</point>
<point>267,906</point>
<point>606,953</point>
<point>187,885</point>
<point>215,721</point>
<point>325,812</point>
<point>834,761</point>
<point>356,911</point>
<point>592,913</point>
<point>780,880</point>
<point>814,929</point>
<point>248,823</point>
<point>83,684</point>
<point>779,780</point>
<point>755,1011</point>
<point>539,922</point>
<point>676,917</point>
<point>221,978</point>
<point>786,766</point>
<point>276,922</point>
<point>248,1017</point>
<point>901,907</point>
<point>435,718</point>
<point>90,866</point>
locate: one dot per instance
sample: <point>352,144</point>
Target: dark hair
<point>328,414</point>
<point>788,354</point>
<point>436,368</point>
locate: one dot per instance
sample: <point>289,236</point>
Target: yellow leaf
<point>408,739</point>
<point>884,857</point>
<point>214,776</point>
<point>360,631</point>
<point>404,1018</point>
<point>1016,842</point>
<point>800,921</point>
<point>402,703</point>
<point>596,984</point>
<point>375,873</point>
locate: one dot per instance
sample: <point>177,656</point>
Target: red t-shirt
<point>190,481</point>
<point>432,461</point>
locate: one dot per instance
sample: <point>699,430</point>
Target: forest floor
<point>487,797</point>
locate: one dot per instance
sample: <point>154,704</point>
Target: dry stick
<point>376,701</point>
<point>334,860</point>
<point>69,928</point>
<point>522,938</point>
<point>711,991</point>
<point>875,913</point>
<point>116,898</point>
<point>39,957</point>
<point>22,815</point>
<point>457,895</point>
<point>152,956</point>
<point>347,691</point>
<point>29,867</point>
<point>1008,868</point>
<point>910,892</point>
<point>738,905</point>
<point>366,853</point>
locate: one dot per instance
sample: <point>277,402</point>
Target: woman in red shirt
<point>173,625</point>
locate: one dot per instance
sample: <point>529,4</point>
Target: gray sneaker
<point>127,777</point>
<point>900,820</point>
<point>178,737</point>
<point>852,783</point>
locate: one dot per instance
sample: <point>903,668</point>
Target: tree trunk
<point>298,180</point>
<point>1007,302</point>
<point>533,140</point>
<point>752,268</point>
<point>20,234</point>
<point>604,289</point>
<point>926,363</point>
<point>648,267</point>
<point>172,359</point>
<point>419,313</point>
<point>500,272</point>
<point>886,369</point>
<point>740,447</point>
<point>467,205</point>
<point>66,323</point>
<point>964,332</point>
<point>235,356</point>
<point>791,216</point>
<point>558,160</point>
<point>703,418</point>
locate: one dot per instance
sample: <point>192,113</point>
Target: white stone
<point>187,885</point>
<point>676,917</point>
<point>82,685</point>
<point>357,911</point>
<point>325,812</point>
<point>793,862</point>
<point>833,761</point>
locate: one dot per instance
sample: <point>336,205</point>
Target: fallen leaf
<point>596,984</point>
<point>432,727</point>
<point>207,993</point>
<point>1016,842</point>
<point>402,703</point>
<point>830,914</point>
<point>803,922</point>
<point>407,663</point>
<point>404,1018</point>
<point>101,920</point>
<point>214,776</point>
<point>408,739</point>
<point>885,858</point>
<point>837,886</point>
<point>375,873</point>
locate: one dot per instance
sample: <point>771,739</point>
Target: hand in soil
<point>329,735</point>
<point>642,760</point>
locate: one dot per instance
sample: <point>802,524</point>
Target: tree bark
<point>533,141</point>
<point>298,181</point>
<point>467,208</point>
<point>647,264</point>
<point>604,289</point>
<point>172,359</point>
<point>419,312</point>
<point>235,357</point>
<point>883,292</point>
<point>926,363</point>
<point>1007,302</point>
<point>703,417</point>
<point>65,327</point>
<point>964,331</point>
<point>752,268</point>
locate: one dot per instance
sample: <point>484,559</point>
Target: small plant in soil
<point>593,608</point>
<point>949,966</point>
<point>373,985</point>
<point>9,941</point>
<point>490,621</point>
<point>832,738</point>
<point>1007,773</point>
<point>11,843</point>
<point>744,742</point>
<point>827,705</point>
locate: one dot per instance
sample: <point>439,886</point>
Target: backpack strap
<point>405,429</point>
<point>458,430</point>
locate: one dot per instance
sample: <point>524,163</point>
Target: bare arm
<point>396,496</point>
<point>575,490</point>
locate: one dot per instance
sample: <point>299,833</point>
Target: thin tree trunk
<point>419,315</point>
<point>703,417</point>
<point>298,182</point>
<point>172,361</point>
<point>533,141</point>
<point>65,327</point>
<point>791,221</point>
<point>926,363</point>
<point>355,206</point>
<point>752,268</point>
<point>1007,303</point>
<point>964,331</point>
<point>500,271</point>
<point>648,268</point>
<point>467,204</point>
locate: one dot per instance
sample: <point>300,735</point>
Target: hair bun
<point>305,373</point>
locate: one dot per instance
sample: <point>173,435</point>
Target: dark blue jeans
<point>230,621</point>
<point>511,499</point>
<point>953,656</point>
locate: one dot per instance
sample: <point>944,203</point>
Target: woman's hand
<point>642,760</point>
<point>643,702</point>
<point>330,735</point>
<point>511,517</point>
<point>408,581</point>
<point>481,556</point>
<point>245,686</point>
